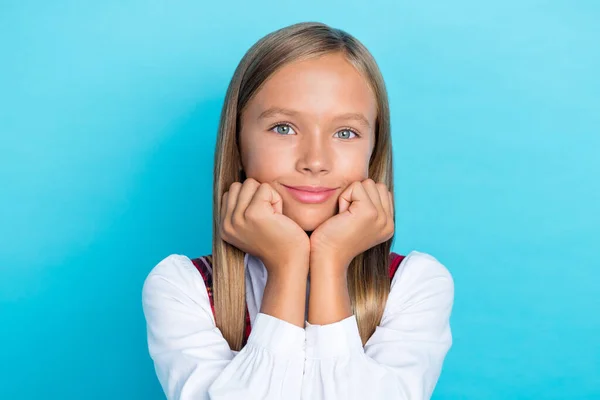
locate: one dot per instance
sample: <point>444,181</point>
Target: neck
<point>308,277</point>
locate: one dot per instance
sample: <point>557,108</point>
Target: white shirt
<point>401,360</point>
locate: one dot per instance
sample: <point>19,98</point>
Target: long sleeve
<point>192,359</point>
<point>403,358</point>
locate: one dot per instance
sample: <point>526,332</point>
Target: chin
<point>310,226</point>
<point>309,221</point>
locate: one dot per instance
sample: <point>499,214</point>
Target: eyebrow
<point>358,117</point>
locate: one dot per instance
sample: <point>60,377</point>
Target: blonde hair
<point>368,280</point>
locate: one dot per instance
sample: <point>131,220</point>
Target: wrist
<point>328,306</point>
<point>329,299</point>
<point>291,266</point>
<point>284,296</point>
<point>328,265</point>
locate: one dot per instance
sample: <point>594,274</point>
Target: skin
<point>312,145</point>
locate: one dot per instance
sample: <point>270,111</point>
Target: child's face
<point>316,145</point>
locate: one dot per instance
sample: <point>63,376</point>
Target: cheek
<point>353,167</point>
<point>265,163</point>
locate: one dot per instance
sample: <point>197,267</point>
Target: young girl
<point>301,297</point>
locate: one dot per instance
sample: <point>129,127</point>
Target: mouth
<point>310,194</point>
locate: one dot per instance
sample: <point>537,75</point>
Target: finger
<point>267,197</point>
<point>343,204</point>
<point>352,196</point>
<point>385,198</point>
<point>223,207</point>
<point>234,191</point>
<point>276,200</point>
<point>374,195</point>
<point>249,187</point>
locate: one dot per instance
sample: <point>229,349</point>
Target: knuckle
<point>264,188</point>
<point>390,234</point>
<point>252,214</point>
<point>236,221</point>
<point>390,229</point>
<point>389,223</point>
<point>226,230</point>
<point>372,214</point>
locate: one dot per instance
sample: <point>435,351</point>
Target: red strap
<point>204,266</point>
<point>395,260</point>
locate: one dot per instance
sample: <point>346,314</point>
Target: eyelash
<point>290,125</point>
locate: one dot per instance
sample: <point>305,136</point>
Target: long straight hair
<point>368,280</point>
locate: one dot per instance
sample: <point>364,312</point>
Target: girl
<point>301,297</point>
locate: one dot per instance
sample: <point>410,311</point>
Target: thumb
<point>276,200</point>
<point>352,197</point>
<point>269,196</point>
<point>345,199</point>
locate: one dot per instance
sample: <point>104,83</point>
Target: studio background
<point>108,118</point>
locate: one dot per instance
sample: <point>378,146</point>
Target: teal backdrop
<point>108,118</point>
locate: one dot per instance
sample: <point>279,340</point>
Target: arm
<point>194,361</point>
<point>404,356</point>
<point>284,296</point>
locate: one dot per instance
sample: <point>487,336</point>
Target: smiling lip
<point>310,194</point>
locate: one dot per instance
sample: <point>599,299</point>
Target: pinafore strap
<point>204,266</point>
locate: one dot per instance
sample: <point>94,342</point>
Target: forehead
<point>321,87</point>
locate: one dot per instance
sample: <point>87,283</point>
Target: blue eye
<point>346,134</point>
<point>283,129</point>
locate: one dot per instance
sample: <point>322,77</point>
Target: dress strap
<point>204,265</point>
<point>395,260</point>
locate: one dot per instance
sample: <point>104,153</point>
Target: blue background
<point>108,117</point>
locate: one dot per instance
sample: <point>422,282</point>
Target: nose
<point>314,155</point>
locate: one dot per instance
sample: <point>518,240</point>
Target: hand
<point>365,219</point>
<point>252,221</point>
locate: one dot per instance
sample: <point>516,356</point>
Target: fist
<point>252,221</point>
<point>365,219</point>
